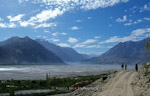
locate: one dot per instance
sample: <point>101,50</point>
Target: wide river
<point>36,72</point>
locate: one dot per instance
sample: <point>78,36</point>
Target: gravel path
<point>120,85</point>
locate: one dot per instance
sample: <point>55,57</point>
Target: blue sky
<point>88,26</point>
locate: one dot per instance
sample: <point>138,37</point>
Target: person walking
<point>125,67</point>
<point>136,67</point>
<point>122,66</point>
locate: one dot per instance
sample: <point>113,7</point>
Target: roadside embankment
<point>90,89</point>
<point>141,84</point>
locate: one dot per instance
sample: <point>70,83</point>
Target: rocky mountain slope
<point>65,53</point>
<point>26,51</point>
<point>128,52</point>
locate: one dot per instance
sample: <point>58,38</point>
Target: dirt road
<point>120,85</point>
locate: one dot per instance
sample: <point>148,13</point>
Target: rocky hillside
<point>141,85</point>
<point>18,50</point>
<point>130,52</point>
<point>65,53</point>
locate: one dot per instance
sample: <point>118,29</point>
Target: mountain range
<point>18,50</point>
<point>65,53</point>
<point>26,51</point>
<point>129,52</point>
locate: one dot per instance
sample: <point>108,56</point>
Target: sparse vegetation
<point>59,85</point>
<point>147,45</point>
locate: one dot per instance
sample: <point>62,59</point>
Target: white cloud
<point>131,22</point>
<point>111,17</point>
<point>135,36</point>
<point>64,45</point>
<point>140,32</point>
<point>39,36</point>
<point>109,47</point>
<point>147,18</point>
<point>46,31</point>
<point>48,14</point>
<point>63,33</point>
<point>3,25</point>
<point>21,1</point>
<point>15,18</point>
<point>56,34</point>
<point>115,39</point>
<point>110,25</point>
<point>79,21</point>
<point>61,6</point>
<point>55,40</point>
<point>92,53</point>
<point>94,4</point>
<point>128,24</point>
<point>97,37</point>
<point>11,25</point>
<point>26,23</point>
<point>38,21</point>
<point>37,25</point>
<point>72,40</point>
<point>89,17</point>
<point>94,46</point>
<point>146,7</point>
<point>123,19</point>
<point>8,25</point>
<point>74,28</point>
<point>55,8</point>
<point>134,9</point>
<point>79,45</point>
<point>44,37</point>
<point>138,21</point>
<point>44,25</point>
<point>85,43</point>
<point>89,41</point>
<point>82,4</point>
<point>1,19</point>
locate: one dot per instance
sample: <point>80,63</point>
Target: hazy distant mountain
<point>65,53</point>
<point>26,51</point>
<point>128,52</point>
